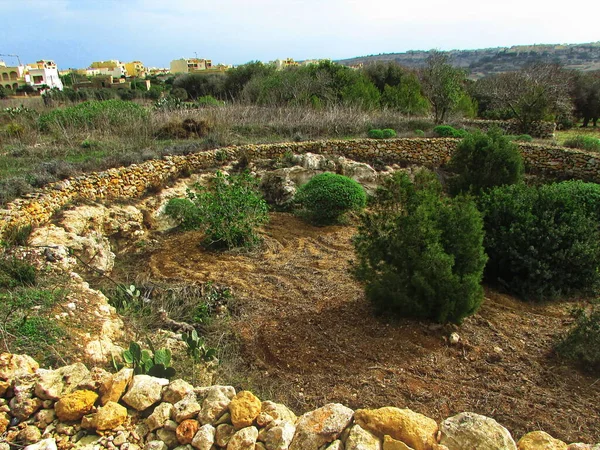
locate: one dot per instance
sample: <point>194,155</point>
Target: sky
<point>74,33</point>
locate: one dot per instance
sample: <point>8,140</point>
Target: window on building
<point>38,79</point>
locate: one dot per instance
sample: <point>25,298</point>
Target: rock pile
<point>73,407</point>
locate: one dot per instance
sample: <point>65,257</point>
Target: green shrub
<point>482,161</point>
<point>420,254</point>
<point>419,133</point>
<point>375,134</point>
<point>588,143</point>
<point>582,342</point>
<point>229,210</point>
<point>93,114</point>
<point>207,100</point>
<point>543,241</point>
<point>448,131</point>
<point>388,133</point>
<point>328,196</point>
<point>184,211</point>
<point>522,138</point>
<point>16,272</point>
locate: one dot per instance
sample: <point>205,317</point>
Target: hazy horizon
<point>76,32</point>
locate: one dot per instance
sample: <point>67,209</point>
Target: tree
<point>199,85</point>
<point>420,254</point>
<point>3,93</point>
<point>405,97</point>
<point>586,97</point>
<point>536,92</point>
<point>237,78</point>
<point>385,73</point>
<point>442,84</point>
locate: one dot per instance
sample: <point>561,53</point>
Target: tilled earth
<point>306,327</point>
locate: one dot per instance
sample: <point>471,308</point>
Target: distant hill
<point>487,61</point>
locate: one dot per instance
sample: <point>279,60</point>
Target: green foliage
<point>362,93</point>
<point>420,254</point>
<point>16,235</point>
<point>128,300</point>
<point>543,242</point>
<point>93,114</point>
<point>419,133</point>
<point>207,100</point>
<point>405,97</point>
<point>388,133</point>
<point>582,342</point>
<point>521,138</point>
<point>196,347</point>
<point>588,143</point>
<point>184,211</point>
<point>3,93</point>
<point>449,131</point>
<point>229,210</point>
<point>156,363</point>
<point>328,196</point>
<point>482,161</point>
<point>375,134</point>
<point>16,272</point>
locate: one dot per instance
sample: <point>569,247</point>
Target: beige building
<point>190,65</point>
<point>135,69</point>
<point>112,67</point>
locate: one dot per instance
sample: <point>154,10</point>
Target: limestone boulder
<point>215,403</point>
<point>29,435</point>
<point>159,416</point>
<point>540,440</point>
<point>390,443</point>
<point>244,439</point>
<point>361,439</point>
<point>414,429</point>
<point>278,411</point>
<point>186,408</point>
<point>144,391</point>
<point>112,389</point>
<point>204,438</point>
<point>223,434</point>
<point>244,408</point>
<point>176,391</point>
<point>321,426</point>
<point>470,430</point>
<point>109,417</point>
<point>24,403</point>
<point>16,366</point>
<point>75,405</point>
<point>186,431</point>
<point>54,384</point>
<point>279,436</point>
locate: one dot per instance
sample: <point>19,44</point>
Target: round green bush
<point>375,134</point>
<point>543,241</point>
<point>448,131</point>
<point>388,133</point>
<point>328,196</point>
<point>419,133</point>
<point>420,254</point>
<point>482,161</point>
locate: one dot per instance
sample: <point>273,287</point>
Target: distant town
<point>45,74</point>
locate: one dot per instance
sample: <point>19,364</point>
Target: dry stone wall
<point>135,180</point>
<point>73,407</point>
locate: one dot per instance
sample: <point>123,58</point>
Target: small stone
<point>29,435</point>
<point>244,408</point>
<point>4,422</point>
<point>159,416</point>
<point>321,426</point>
<point>186,408</point>
<point>110,416</point>
<point>244,439</point>
<point>278,411</point>
<point>75,405</point>
<point>45,417</point>
<point>539,440</point>
<point>186,431</point>
<point>454,338</point>
<point>170,425</point>
<point>223,434</point>
<point>16,366</point>
<point>215,404</point>
<point>44,444</point>
<point>279,436</point>
<point>121,438</point>
<point>168,437</point>
<point>156,445</point>
<point>205,438</point>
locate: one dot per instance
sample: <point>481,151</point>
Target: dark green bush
<point>482,161</point>
<point>522,138</point>
<point>375,134</point>
<point>16,272</point>
<point>543,241</point>
<point>388,133</point>
<point>419,133</point>
<point>420,254</point>
<point>448,131</point>
<point>328,196</point>
<point>582,343</point>
<point>229,210</point>
<point>588,143</point>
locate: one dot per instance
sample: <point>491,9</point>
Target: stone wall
<point>135,180</point>
<point>543,130</point>
<point>73,407</point>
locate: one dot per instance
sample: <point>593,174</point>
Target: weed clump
<point>588,143</point>
<point>448,131</point>
<point>328,196</point>
<point>410,255</point>
<point>582,342</point>
<point>229,210</point>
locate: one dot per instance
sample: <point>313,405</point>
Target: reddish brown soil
<point>305,326</point>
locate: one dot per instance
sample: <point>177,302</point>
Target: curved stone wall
<point>135,180</point>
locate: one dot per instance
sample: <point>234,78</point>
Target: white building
<point>43,73</point>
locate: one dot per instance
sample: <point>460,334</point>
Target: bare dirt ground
<point>308,333</point>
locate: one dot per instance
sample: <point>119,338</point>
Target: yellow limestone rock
<point>539,440</point>
<point>414,429</point>
<point>244,408</point>
<point>75,405</point>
